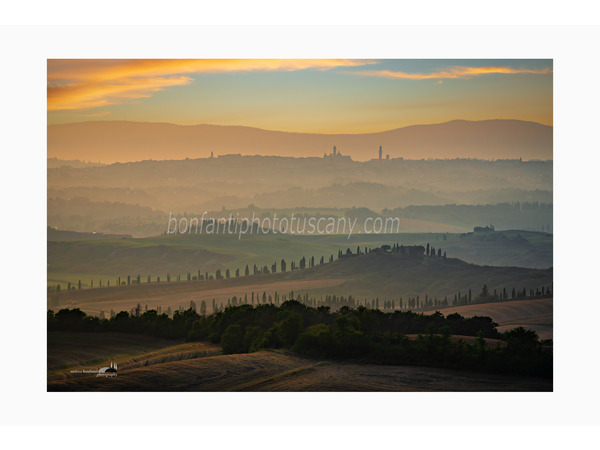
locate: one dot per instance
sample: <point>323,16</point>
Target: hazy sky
<point>321,96</point>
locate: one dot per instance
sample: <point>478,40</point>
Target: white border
<point>576,67</point>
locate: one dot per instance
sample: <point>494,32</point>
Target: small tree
<point>484,292</point>
<point>137,310</point>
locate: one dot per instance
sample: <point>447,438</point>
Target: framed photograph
<point>291,225</point>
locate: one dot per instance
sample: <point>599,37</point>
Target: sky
<point>314,96</point>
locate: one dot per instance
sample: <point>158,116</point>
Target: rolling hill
<point>106,141</point>
<point>77,255</point>
<point>384,275</point>
<point>280,371</point>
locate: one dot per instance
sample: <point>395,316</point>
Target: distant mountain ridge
<point>121,141</point>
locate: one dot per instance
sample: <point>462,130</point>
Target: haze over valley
<point>291,224</point>
<point>137,198</point>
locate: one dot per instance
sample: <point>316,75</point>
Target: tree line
<point>301,264</point>
<point>367,335</point>
<point>336,302</point>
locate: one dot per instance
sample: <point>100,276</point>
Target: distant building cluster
<point>337,154</point>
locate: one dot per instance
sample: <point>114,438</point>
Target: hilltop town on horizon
<point>120,141</point>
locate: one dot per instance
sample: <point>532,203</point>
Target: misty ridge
<point>238,178</point>
<point>137,197</point>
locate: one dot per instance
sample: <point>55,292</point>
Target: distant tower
<point>334,150</point>
<point>211,154</point>
<point>380,152</point>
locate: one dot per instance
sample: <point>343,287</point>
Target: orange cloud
<point>85,84</point>
<point>454,72</point>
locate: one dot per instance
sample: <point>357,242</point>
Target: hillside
<point>392,275</point>
<point>534,314</point>
<point>384,275</point>
<point>504,248</point>
<point>106,141</point>
<point>71,259</point>
<point>284,371</point>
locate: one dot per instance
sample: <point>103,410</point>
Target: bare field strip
<point>79,351</point>
<point>535,314</point>
<point>285,371</point>
<point>92,301</point>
